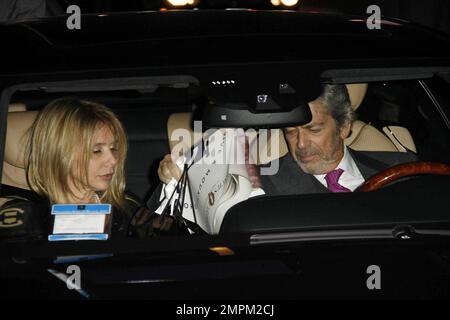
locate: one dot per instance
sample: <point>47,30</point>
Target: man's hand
<point>168,169</point>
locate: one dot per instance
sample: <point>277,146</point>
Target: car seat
<point>365,137</point>
<point>13,173</point>
<point>17,107</point>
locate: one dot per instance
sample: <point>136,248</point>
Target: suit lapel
<point>292,180</point>
<point>367,166</point>
<point>314,185</point>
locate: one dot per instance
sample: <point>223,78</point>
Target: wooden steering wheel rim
<point>403,170</point>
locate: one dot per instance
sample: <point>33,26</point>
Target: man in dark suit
<point>318,160</point>
<point>290,179</point>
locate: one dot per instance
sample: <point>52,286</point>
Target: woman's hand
<point>168,169</point>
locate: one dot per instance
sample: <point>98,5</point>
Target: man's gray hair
<point>337,101</point>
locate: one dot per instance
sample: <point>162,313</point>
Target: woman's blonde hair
<point>61,146</point>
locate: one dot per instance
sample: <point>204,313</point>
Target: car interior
<point>392,116</point>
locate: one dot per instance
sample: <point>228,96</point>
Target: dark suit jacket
<point>291,179</point>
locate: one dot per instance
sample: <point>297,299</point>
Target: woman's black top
<point>26,217</point>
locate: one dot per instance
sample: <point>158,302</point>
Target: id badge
<point>81,222</point>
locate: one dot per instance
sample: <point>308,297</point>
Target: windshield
<point>235,177</point>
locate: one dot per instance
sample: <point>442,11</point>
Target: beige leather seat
<point>13,173</point>
<point>18,123</point>
<point>363,137</point>
<point>17,107</point>
<point>401,137</point>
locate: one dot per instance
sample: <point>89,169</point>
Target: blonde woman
<point>77,154</point>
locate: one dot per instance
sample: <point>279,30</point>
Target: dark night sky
<point>432,13</point>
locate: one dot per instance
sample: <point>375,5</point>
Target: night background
<point>432,13</point>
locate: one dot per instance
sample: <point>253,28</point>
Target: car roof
<point>205,37</point>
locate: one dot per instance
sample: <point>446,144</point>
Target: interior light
<point>289,3</point>
<point>180,3</point>
<point>275,2</point>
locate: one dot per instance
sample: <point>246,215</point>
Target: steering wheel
<point>403,170</point>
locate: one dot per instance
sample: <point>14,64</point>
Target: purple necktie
<point>332,179</point>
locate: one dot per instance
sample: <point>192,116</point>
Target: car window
<point>400,112</point>
<point>405,104</point>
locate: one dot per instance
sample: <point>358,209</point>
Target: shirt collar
<point>347,163</point>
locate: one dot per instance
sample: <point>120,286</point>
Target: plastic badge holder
<point>80,222</point>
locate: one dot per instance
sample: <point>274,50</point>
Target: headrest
<point>16,136</point>
<point>183,121</point>
<point>356,92</point>
<point>17,107</point>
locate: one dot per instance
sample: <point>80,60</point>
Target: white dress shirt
<point>351,178</point>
